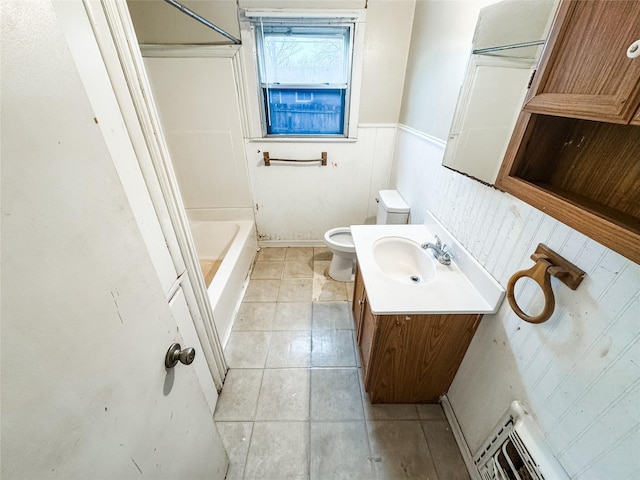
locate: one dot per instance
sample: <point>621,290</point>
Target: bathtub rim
<point>232,276</point>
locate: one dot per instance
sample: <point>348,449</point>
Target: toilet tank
<point>392,209</point>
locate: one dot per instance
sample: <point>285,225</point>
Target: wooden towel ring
<point>548,263</point>
<point>539,273</point>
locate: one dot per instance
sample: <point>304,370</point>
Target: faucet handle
<point>444,257</point>
<point>438,241</point>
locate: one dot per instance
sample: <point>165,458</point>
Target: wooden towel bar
<point>267,160</point>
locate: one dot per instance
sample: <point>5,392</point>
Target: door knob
<point>175,355</point>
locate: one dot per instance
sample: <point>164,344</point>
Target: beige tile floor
<point>293,405</point>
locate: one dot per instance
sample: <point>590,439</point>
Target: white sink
<point>403,260</point>
<point>400,277</point>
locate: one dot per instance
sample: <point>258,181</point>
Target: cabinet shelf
<point>599,162</point>
<point>584,173</point>
<point>596,208</point>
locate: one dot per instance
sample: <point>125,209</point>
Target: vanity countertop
<point>464,286</point>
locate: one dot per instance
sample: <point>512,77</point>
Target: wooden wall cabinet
<point>585,72</point>
<point>575,151</point>
<point>409,358</point>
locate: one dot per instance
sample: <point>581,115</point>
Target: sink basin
<point>403,260</point>
<point>402,278</point>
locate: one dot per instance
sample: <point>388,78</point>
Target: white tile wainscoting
<point>578,373</point>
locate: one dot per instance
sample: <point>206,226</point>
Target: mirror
<point>507,44</point>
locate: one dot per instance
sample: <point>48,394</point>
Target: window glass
<point>305,55</point>
<point>305,112</point>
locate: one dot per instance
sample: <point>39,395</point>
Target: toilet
<point>392,209</point>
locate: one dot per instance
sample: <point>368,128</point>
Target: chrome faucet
<point>439,251</point>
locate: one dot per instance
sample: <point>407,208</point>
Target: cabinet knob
<point>361,301</point>
<point>634,50</point>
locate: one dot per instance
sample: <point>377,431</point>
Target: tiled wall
<point>578,373</point>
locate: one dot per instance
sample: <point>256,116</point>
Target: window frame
<point>264,86</point>
<point>254,102</point>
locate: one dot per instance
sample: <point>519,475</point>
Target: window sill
<point>302,140</point>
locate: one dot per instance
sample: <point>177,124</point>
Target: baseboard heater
<point>517,450</point>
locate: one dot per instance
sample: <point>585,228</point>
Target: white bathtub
<point>235,243</point>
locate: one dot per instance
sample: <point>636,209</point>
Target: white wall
<point>296,204</point>
<point>440,48</point>
<point>387,38</point>
<point>291,204</point>
<point>578,373</point>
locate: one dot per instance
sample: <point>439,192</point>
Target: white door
<point>86,321</point>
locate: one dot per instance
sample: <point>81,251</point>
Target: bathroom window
<point>304,73</point>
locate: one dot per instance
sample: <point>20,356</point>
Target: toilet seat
<point>340,239</point>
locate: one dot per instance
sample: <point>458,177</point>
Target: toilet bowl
<point>339,241</point>
<point>392,209</point>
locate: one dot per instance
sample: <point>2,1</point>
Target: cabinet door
<point>367,339</point>
<point>636,119</point>
<point>359,300</point>
<point>415,357</point>
<point>585,72</point>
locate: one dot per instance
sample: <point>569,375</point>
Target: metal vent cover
<point>517,450</point>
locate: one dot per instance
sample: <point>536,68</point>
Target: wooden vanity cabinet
<point>409,358</point>
<point>575,150</point>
